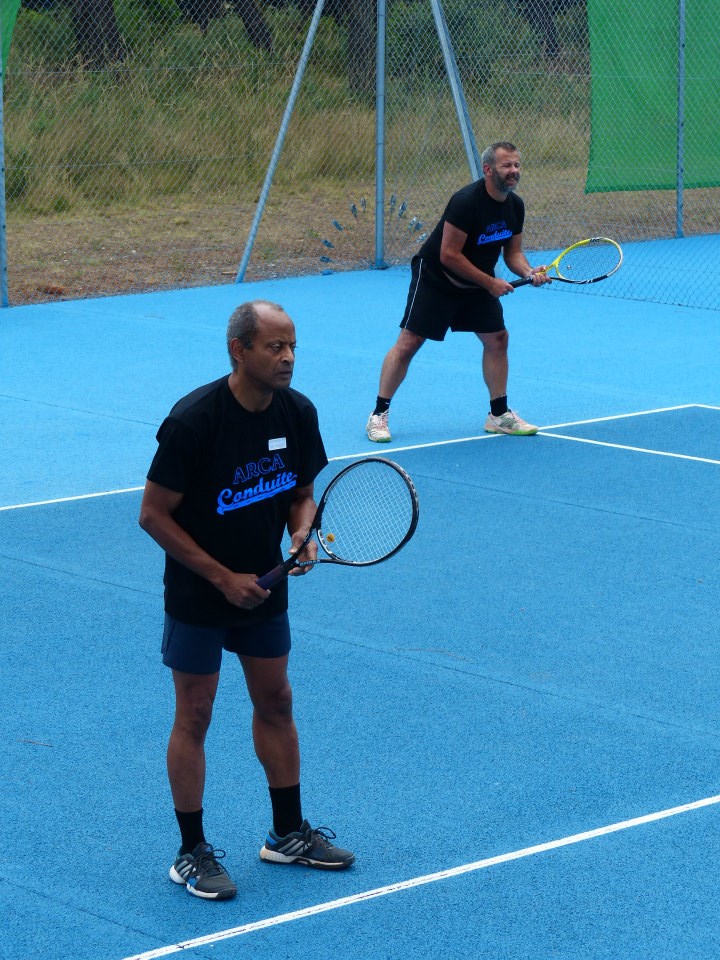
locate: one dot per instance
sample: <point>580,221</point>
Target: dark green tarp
<point>8,15</point>
<point>634,50</point>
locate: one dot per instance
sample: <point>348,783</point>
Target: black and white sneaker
<point>202,874</point>
<point>309,847</point>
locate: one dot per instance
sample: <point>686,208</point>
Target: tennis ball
<point>330,538</point>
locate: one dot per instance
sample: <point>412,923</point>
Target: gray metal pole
<point>680,163</point>
<point>380,138</point>
<point>458,94</point>
<point>4,299</point>
<point>299,73</point>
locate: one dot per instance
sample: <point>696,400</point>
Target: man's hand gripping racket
<point>586,261</point>
<point>367,513</point>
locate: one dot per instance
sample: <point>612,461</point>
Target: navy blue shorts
<point>198,650</point>
<point>435,306</point>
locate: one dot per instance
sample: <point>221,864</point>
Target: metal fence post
<point>680,171</point>
<point>4,299</point>
<point>457,90</point>
<point>380,138</point>
<point>299,73</point>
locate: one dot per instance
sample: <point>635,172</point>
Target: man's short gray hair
<point>243,324</point>
<point>489,153</point>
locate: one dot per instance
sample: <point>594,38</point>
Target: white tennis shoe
<point>509,423</point>
<point>377,428</point>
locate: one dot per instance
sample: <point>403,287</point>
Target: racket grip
<point>521,282</point>
<point>272,577</point>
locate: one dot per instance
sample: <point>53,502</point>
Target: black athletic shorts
<point>192,649</point>
<point>435,306</point>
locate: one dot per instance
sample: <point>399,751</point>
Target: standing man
<point>235,466</point>
<point>453,286</point>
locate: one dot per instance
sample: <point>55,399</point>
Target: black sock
<point>191,829</point>
<point>287,815</point>
<point>382,405</point>
<point>499,406</point>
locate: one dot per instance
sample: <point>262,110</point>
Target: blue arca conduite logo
<point>495,232</point>
<point>266,486</point>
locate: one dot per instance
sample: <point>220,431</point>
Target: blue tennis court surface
<point>686,432</point>
<point>513,723</point>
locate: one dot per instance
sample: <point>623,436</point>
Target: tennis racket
<point>368,512</point>
<point>586,261</point>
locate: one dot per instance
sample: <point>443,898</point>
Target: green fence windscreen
<point>636,86</point>
<point>8,15</point>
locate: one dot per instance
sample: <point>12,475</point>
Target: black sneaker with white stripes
<point>309,847</point>
<point>202,874</point>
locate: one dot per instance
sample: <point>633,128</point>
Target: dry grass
<point>182,243</point>
<point>148,177</point>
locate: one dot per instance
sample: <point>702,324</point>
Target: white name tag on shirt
<point>279,443</point>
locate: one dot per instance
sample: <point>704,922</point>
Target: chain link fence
<point>138,135</point>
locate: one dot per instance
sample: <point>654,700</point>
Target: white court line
<point>80,496</point>
<point>415,446</point>
<point>622,446</point>
<point>392,888</point>
<point>625,416</point>
<point>436,443</point>
<point>552,426</point>
<point>346,456</point>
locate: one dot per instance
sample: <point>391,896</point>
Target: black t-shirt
<point>488,224</point>
<point>238,472</point>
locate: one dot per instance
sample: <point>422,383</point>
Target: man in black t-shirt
<point>453,287</point>
<point>235,467</point>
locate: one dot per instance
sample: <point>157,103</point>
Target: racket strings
<point>367,514</point>
<point>589,261</point>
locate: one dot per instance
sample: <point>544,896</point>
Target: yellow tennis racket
<point>586,261</point>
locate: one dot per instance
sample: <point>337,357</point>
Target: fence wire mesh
<point>138,135</point>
